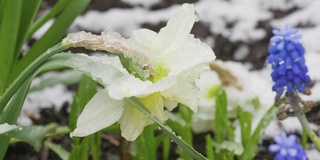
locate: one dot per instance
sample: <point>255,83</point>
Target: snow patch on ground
<point>54,96</point>
<point>144,3</point>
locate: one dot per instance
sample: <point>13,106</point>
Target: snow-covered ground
<point>245,16</point>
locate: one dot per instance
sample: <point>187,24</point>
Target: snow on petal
<point>133,121</point>
<point>104,69</point>
<point>189,54</point>
<point>131,86</point>
<point>101,112</point>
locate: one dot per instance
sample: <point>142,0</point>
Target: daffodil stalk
<point>290,75</point>
<point>15,85</point>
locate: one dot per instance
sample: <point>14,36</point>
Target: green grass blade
<point>146,144</point>
<point>209,147</point>
<point>220,117</point>
<point>245,119</point>
<point>181,124</point>
<point>11,114</point>
<point>67,77</point>
<point>80,152</point>
<point>166,147</point>
<point>53,35</point>
<point>29,70</point>
<point>61,152</point>
<point>29,10</point>
<point>13,108</point>
<point>95,146</point>
<point>251,145</point>
<point>55,10</point>
<point>9,30</point>
<point>136,103</point>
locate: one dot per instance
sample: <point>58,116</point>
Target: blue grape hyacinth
<point>288,63</point>
<point>287,148</point>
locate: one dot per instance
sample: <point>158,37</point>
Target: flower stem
<point>15,85</point>
<point>303,121</point>
<point>306,127</point>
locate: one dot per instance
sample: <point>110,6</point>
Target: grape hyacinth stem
<point>304,122</point>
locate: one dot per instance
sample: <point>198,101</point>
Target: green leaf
<point>9,29</point>
<point>251,146</point>
<point>54,11</point>
<point>28,72</point>
<point>222,126</point>
<point>181,123</point>
<point>62,153</point>
<point>67,77</point>
<point>52,36</point>
<point>32,134</point>
<point>256,103</point>
<point>11,113</point>
<point>146,144</point>
<point>80,152</point>
<point>209,147</point>
<point>245,119</point>
<point>166,144</point>
<point>29,10</point>
<point>17,92</point>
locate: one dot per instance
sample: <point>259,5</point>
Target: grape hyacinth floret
<point>287,148</point>
<point>288,63</point>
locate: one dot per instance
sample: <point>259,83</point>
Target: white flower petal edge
<point>101,112</point>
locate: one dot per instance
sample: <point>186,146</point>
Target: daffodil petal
<point>130,86</point>
<point>133,121</point>
<point>185,90</point>
<point>176,30</point>
<point>143,36</point>
<point>189,54</point>
<point>101,112</point>
<point>104,69</point>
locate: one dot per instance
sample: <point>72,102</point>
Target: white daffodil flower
<point>160,69</point>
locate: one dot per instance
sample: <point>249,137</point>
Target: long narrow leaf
<point>11,114</point>
<point>61,152</point>
<point>53,35</point>
<point>9,29</point>
<point>13,108</point>
<point>29,70</point>
<point>251,145</point>
<point>29,10</point>
<point>57,8</point>
<point>67,77</point>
